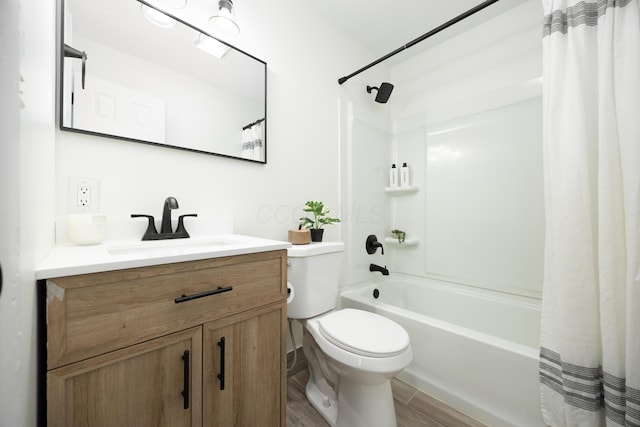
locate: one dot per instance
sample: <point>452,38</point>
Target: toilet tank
<point>314,272</point>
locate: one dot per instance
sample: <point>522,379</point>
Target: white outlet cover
<point>73,207</point>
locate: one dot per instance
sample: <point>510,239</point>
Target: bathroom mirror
<point>122,76</point>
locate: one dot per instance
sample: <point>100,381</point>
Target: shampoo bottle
<point>404,175</point>
<point>393,176</point>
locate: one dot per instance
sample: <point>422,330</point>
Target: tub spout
<point>383,270</point>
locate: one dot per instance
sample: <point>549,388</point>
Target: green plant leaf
<point>400,235</point>
<point>319,215</point>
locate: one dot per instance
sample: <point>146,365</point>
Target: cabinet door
<point>244,368</point>
<point>141,385</point>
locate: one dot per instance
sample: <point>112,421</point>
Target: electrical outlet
<point>84,195</point>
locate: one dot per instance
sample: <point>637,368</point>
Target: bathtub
<point>475,350</point>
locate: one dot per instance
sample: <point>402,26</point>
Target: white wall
<point>12,386</point>
<point>27,28</point>
<point>303,150</point>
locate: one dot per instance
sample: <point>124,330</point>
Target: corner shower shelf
<point>407,242</point>
<point>401,190</point>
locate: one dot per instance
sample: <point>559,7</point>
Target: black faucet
<point>372,244</point>
<point>169,204</point>
<point>165,230</point>
<point>383,270</point>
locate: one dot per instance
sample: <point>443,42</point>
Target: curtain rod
<point>422,37</point>
<point>250,125</point>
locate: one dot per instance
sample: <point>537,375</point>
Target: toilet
<point>352,354</point>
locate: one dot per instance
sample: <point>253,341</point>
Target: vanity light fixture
<point>211,45</point>
<point>158,18</point>
<point>224,22</point>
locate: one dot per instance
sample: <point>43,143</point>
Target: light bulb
<point>158,18</point>
<point>224,22</point>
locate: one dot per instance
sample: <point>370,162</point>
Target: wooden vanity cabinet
<point>184,344</point>
<point>242,369</point>
<point>141,385</point>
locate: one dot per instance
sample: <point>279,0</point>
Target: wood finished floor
<point>413,408</point>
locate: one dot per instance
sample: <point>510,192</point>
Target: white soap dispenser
<point>393,176</point>
<point>404,175</point>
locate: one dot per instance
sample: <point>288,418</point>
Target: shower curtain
<point>247,143</point>
<point>590,342</point>
<point>252,142</point>
<point>258,146</point>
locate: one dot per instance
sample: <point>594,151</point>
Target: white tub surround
<point>475,350</point>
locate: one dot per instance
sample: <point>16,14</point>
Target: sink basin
<point>171,247</point>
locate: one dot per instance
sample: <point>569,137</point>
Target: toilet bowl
<point>352,354</point>
<point>361,340</point>
<point>362,351</point>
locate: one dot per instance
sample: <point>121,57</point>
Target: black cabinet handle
<point>221,344</point>
<point>220,290</point>
<point>185,392</point>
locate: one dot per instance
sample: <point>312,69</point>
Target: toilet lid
<point>364,333</point>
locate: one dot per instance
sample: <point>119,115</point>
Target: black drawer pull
<point>185,392</point>
<point>221,344</point>
<point>220,290</point>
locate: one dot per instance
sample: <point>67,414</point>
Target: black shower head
<point>384,92</point>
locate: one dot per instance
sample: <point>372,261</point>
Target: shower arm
<point>425,36</point>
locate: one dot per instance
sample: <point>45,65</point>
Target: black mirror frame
<point>60,83</point>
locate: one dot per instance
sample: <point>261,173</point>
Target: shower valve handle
<point>372,244</point>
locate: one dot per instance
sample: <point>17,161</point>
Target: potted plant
<point>320,218</point>
<point>400,235</point>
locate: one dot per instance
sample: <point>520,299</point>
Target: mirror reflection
<point>171,85</point>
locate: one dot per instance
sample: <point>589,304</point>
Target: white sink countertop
<point>117,255</point>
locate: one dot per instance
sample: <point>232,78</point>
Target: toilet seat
<point>364,333</point>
